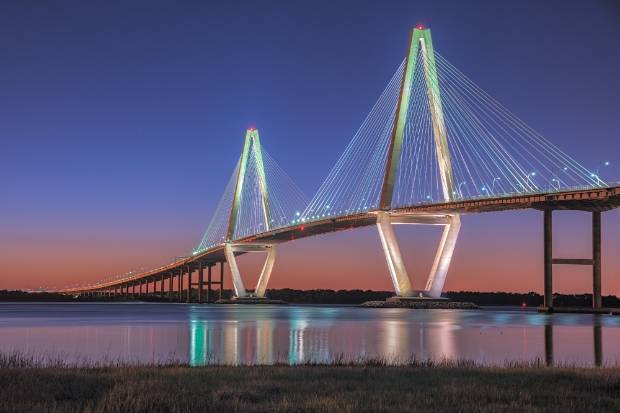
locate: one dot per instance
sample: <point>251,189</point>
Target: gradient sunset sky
<point>121,122</point>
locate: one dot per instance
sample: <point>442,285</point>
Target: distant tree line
<point>325,296</point>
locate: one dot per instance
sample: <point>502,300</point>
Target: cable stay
<point>259,197</point>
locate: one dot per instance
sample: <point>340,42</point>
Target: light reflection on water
<point>204,334</point>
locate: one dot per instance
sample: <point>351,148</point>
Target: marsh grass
<point>31,384</point>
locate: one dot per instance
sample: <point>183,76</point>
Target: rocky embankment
<point>421,304</point>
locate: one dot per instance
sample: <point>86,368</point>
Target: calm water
<point>142,333</point>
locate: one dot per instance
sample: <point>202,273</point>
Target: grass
<point>26,385</point>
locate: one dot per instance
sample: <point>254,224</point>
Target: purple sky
<point>121,122</point>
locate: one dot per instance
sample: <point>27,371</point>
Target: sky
<point>121,122</point>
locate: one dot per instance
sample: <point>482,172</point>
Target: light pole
<point>458,188</point>
<point>595,175</point>
<point>532,184</point>
<point>493,184</point>
<point>598,179</point>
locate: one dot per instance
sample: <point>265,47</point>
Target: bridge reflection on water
<point>509,336</point>
<point>199,334</point>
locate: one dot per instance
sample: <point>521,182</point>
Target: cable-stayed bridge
<point>433,146</point>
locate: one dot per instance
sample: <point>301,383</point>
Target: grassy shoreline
<point>422,386</point>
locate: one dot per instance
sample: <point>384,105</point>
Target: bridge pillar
<point>189,284</point>
<point>200,281</point>
<point>234,271</point>
<point>443,256</point>
<point>437,276</point>
<point>596,260</point>
<point>548,244</point>
<point>209,293</point>
<point>396,266</point>
<point>263,280</point>
<point>221,278</point>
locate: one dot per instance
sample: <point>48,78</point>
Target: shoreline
<point>334,297</point>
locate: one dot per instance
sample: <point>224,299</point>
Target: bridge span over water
<point>433,147</point>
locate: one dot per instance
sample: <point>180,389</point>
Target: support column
<point>596,260</point>
<point>261,286</point>
<point>234,271</point>
<point>200,281</point>
<point>170,285</point>
<point>548,253</point>
<point>189,284</point>
<point>263,280</point>
<point>221,278</point>
<point>439,271</point>
<point>180,285</point>
<point>443,257</point>
<point>209,291</point>
<point>396,266</point>
<point>161,286</point>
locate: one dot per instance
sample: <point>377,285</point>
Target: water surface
<point>241,334</point>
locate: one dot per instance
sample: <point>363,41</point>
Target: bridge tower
<point>251,149</point>
<point>420,45</point>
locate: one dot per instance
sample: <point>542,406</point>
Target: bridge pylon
<point>252,151</point>
<point>420,45</point>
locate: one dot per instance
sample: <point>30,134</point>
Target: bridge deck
<point>592,199</point>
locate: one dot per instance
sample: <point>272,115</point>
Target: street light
<point>493,183</point>
<point>596,175</point>
<point>527,178</point>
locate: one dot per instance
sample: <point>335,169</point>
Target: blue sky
<point>120,122</point>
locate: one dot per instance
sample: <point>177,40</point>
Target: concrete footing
<point>251,300</point>
<point>421,303</point>
<point>579,310</point>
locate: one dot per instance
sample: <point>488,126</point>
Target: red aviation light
<point>420,27</point>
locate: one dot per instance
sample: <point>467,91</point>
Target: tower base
<point>251,300</point>
<point>421,303</point>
